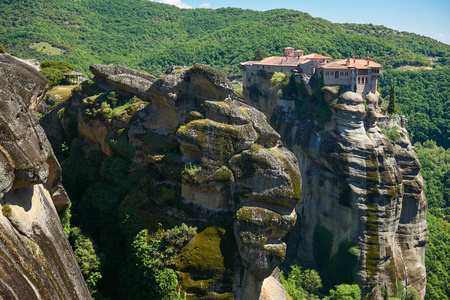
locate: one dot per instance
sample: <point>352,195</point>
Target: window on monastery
<point>331,73</point>
<point>342,74</point>
<point>327,73</point>
<point>336,74</point>
<point>346,73</point>
<point>257,67</point>
<point>249,80</point>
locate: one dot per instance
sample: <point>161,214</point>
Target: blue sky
<point>426,17</point>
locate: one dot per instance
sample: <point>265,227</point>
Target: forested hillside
<point>424,97</point>
<point>152,36</point>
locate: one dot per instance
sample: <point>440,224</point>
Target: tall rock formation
<point>359,189</point>
<point>237,181</point>
<point>37,261</point>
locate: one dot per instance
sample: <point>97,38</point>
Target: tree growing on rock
<point>2,48</point>
<point>391,106</point>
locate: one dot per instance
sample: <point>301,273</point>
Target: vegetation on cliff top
<point>152,36</point>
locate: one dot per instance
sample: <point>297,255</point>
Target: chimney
<point>354,59</point>
<point>347,63</point>
<point>368,61</point>
<point>288,51</point>
<point>298,53</point>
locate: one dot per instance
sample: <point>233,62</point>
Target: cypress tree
<point>391,106</point>
<point>259,55</point>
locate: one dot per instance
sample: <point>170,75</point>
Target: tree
<point>346,292</point>
<point>391,106</point>
<point>55,70</point>
<point>112,98</point>
<point>2,48</point>
<point>259,54</point>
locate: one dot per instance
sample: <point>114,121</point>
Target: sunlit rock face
<point>235,163</point>
<point>364,190</point>
<point>37,261</point>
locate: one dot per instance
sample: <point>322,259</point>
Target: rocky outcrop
<point>37,260</point>
<point>235,163</point>
<point>122,78</point>
<point>360,189</point>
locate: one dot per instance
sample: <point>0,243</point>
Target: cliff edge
<point>37,260</point>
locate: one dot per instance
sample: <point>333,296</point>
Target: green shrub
<point>345,292</point>
<point>6,210</point>
<point>64,216</point>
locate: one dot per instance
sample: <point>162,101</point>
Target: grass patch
<point>46,48</point>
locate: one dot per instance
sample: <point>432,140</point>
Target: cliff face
<point>37,260</point>
<point>362,190</point>
<point>235,164</point>
<point>221,159</point>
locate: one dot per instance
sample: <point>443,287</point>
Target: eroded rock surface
<point>37,260</point>
<point>362,189</point>
<point>234,160</point>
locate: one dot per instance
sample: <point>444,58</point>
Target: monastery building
<point>357,75</point>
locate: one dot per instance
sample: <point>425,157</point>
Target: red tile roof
<point>279,61</point>
<point>360,62</point>
<point>316,56</point>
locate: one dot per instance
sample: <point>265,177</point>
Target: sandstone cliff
<point>235,179</point>
<point>362,208</point>
<point>37,260</point>
<point>359,189</point>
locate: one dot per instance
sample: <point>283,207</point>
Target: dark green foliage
<point>345,292</point>
<point>64,216</point>
<point>123,147</point>
<point>391,106</point>
<point>437,259</point>
<point>2,48</point>
<point>148,263</point>
<point>259,55</point>
<point>342,268</point>
<point>75,170</point>
<point>301,284</point>
<point>322,245</point>
<point>435,162</point>
<point>152,36</point>
<point>87,257</point>
<point>112,98</point>
<point>424,97</point>
<point>55,70</point>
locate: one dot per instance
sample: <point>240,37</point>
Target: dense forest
<point>151,36</point>
<point>424,97</point>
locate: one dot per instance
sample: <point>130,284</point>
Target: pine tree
<point>2,48</point>
<point>391,106</point>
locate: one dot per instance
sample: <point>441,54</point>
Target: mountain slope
<point>152,36</point>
